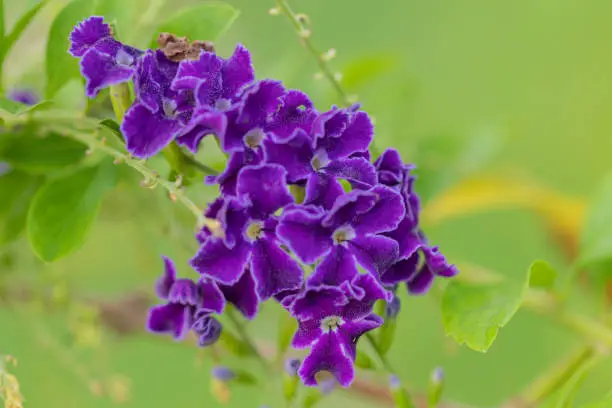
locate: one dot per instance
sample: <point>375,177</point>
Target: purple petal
<point>348,207</point>
<point>237,161</point>
<point>163,284</point>
<point>355,138</point>
<point>390,168</point>
<point>294,154</point>
<point>374,253</point>
<point>208,330</point>
<point>191,73</point>
<point>102,70</point>
<point>237,72</point>
<point>147,133</point>
<point>328,354</point>
<point>184,292</point>
<point>371,291</point>
<point>261,101</point>
<point>264,187</point>
<point>86,34</point>
<point>219,263</point>
<point>322,190</point>
<point>232,138</point>
<point>242,295</point>
<point>172,319</point>
<point>318,302</point>
<point>287,297</point>
<point>273,269</point>
<point>437,262</point>
<point>385,215</point>
<point>337,267</point>
<point>295,114</point>
<point>408,239</point>
<point>330,124</point>
<point>153,79</point>
<point>300,228</point>
<point>421,282</point>
<point>211,295</point>
<point>359,172</point>
<point>351,332</point>
<point>307,333</point>
<point>234,218</point>
<point>203,122</point>
<point>403,270</point>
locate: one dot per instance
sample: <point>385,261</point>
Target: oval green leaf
<point>61,67</point>
<point>205,22</point>
<point>17,188</point>
<point>473,314</point>
<point>35,154</point>
<point>64,210</point>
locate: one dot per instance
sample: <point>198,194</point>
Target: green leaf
<point>564,397</point>
<point>119,13</point>
<point>114,127</point>
<point>10,108</point>
<point>17,188</point>
<point>287,326</point>
<point>11,38</point>
<point>61,67</point>
<point>542,275</point>
<point>64,210</point>
<point>234,345</point>
<point>596,237</point>
<point>473,314</point>
<point>606,402</point>
<point>364,361</point>
<point>205,22</point>
<point>35,154</point>
<point>245,378</point>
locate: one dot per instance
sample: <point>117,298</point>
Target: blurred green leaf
<point>40,154</point>
<point>290,386</point>
<point>13,108</point>
<point>17,188</point>
<point>445,159</point>
<point>205,22</point>
<point>114,127</point>
<point>606,402</point>
<point>367,68</point>
<point>60,65</point>
<point>386,335</point>
<point>473,314</point>
<point>245,378</point>
<point>542,275</point>
<point>119,13</point>
<point>564,397</point>
<point>364,361</point>
<point>287,326</point>
<point>64,210</point>
<point>596,237</point>
<point>7,42</point>
<point>234,345</point>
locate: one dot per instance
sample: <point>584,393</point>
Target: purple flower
<point>331,321</point>
<point>23,96</point>
<point>418,263</point>
<point>250,239</point>
<point>242,294</point>
<point>104,60</point>
<point>223,373</point>
<point>159,113</point>
<point>347,234</point>
<point>188,305</point>
<point>295,114</point>
<point>331,149</point>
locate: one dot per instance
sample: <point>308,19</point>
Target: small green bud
<point>436,387</point>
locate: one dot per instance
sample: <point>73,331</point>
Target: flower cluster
<point>308,220</point>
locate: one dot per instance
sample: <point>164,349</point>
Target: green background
<point>534,77</point>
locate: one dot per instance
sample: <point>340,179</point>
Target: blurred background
<point>503,106</point>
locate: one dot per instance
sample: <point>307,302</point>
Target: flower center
<point>343,234</point>
<point>169,107</point>
<point>331,323</point>
<point>124,59</point>
<point>254,230</point>
<point>253,138</point>
<point>319,160</point>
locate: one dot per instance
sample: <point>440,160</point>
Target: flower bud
<point>223,373</point>
<point>292,366</point>
<point>393,308</point>
<point>291,379</point>
<point>398,393</point>
<point>436,387</point>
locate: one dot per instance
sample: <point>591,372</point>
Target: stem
<point>200,166</point>
<point>90,140</point>
<point>244,336</point>
<point>386,364</point>
<point>557,376</point>
<point>304,34</point>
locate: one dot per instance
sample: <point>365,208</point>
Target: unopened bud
<point>274,11</point>
<point>303,18</point>
<point>329,55</point>
<point>292,366</point>
<point>88,152</point>
<point>305,33</point>
<point>318,76</point>
<point>223,373</point>
<point>436,387</point>
<point>119,160</point>
<point>172,197</point>
<point>398,393</point>
<point>393,308</point>
<point>338,76</point>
